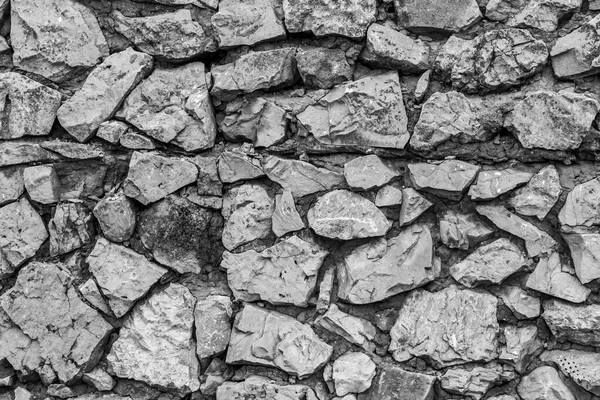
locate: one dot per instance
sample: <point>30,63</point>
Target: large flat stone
<point>492,183</point>
<point>450,16</point>
<point>369,172</point>
<point>450,178</point>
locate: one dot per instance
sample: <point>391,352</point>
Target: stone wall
<point>299,199</point>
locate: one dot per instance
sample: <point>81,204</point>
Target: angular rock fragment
<point>282,274</point>
<point>172,108</point>
<point>19,350</point>
<point>234,167</point>
<point>451,16</point>
<point>536,14</point>
<point>344,215</point>
<point>272,339</point>
<point>449,179</point>
<point>112,131</point>
<point>549,278</point>
<point>585,253</point>
<point>489,264</point>
<point>285,217</point>
<point>71,228</point>
<point>213,325</point>
<point>455,335</point>
<point>156,344</point>
<point>353,373</point>
<point>573,323</point>
<point>522,344</point>
<point>123,275</point>
<point>393,382</point>
<point>247,23</point>
<point>325,290</point>
<point>367,112</point>
<point>369,172</point>
<point>100,379</point>
<point>301,178</point>
<point>56,39</point>
<point>11,184</point>
<point>102,93</point>
<point>256,387</point>
<point>462,231</point>
<point>355,330</point>
<point>544,382</point>
<point>28,108</point>
<point>248,211</point>
<point>383,268</point>
<point>536,241</point>
<point>476,382</point>
<point>152,176</point>
<point>582,206</point>
<point>74,151</point>
<point>135,141</point>
<point>539,195</point>
<point>70,333</point>
<point>180,234</point>
<point>116,215</point>
<point>209,182</point>
<point>422,86</point>
<point>324,18</point>
<point>521,303</point>
<point>581,366</point>
<point>491,184</point>
<point>388,195</point>
<point>15,152</point>
<point>169,37</point>
<point>42,184</point>
<point>413,205</point>
<point>388,48</point>
<point>552,121</point>
<point>254,71</point>
<point>90,291</point>
<point>323,68</point>
<point>577,53</point>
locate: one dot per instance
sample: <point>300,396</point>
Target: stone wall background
<point>289,199</point>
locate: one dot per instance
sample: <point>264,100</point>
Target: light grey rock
<point>74,151</point>
<point>383,268</point>
<point>325,290</point>
<point>462,231</point>
<point>324,18</point>
<point>102,93</point>
<point>254,71</point>
<point>538,14</point>
<point>11,184</point>
<point>173,36</point>
<point>413,205</point>
<point>17,152</point>
<point>23,232</point>
<point>28,108</point>
<point>577,53</point>
<point>538,196</point>
<point>585,253</point>
<point>285,217</point>
<point>581,366</point>
<point>248,211</point>
<point>209,182</point>
<point>285,273</point>
<point>112,131</point>
<point>55,39</point>
<point>90,291</point>
<point>100,379</point>
<point>552,121</point>
<point>582,206</point>
<point>550,278</point>
<point>450,178</point>
<point>369,172</point>
<point>135,141</point>
<point>21,351</point>
<point>522,344</point>
<point>272,339</point>
<point>247,23</point>
<point>492,183</point>
<point>353,373</point>
<point>388,48</point>
<point>367,112</point>
<point>544,382</point>
<point>70,333</point>
<point>355,330</point>
<point>474,383</point>
<point>536,241</point>
<point>213,325</point>
<point>71,228</point>
<point>42,183</point>
<point>152,176</point>
<point>344,215</point>
<point>323,68</point>
<point>393,382</point>
<point>522,304</point>
<point>257,386</point>
<point>489,264</point>
<point>116,214</point>
<point>388,195</point>
<point>422,86</point>
<point>455,335</point>
<point>58,390</point>
<point>172,108</point>
<point>238,166</point>
<point>574,323</point>
<point>415,15</point>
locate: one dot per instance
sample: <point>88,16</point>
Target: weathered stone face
<point>369,172</point>
<point>451,16</point>
<point>213,325</point>
<point>462,231</point>
<point>355,330</point>
<point>575,323</point>
<point>70,228</point>
<point>476,382</point>
<point>539,195</point>
<point>353,373</point>
<point>389,48</point>
<point>531,13</point>
<point>581,366</point>
<point>576,54</point>
<point>258,386</point>
<point>447,179</point>
<point>544,381</point>
<point>117,217</point>
<point>323,68</point>
<point>393,381</point>
<point>549,277</point>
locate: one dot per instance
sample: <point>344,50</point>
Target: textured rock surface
<point>549,277</point>
<point>582,205</point>
<point>531,13</point>
<point>393,381</point>
<point>462,231</point>
<point>476,382</point>
<point>42,184</point>
<point>369,172</point>
<point>585,252</point>
<point>11,184</point>
<point>576,54</point>
<point>522,304</point>
<point>575,323</point>
<point>448,179</point>
<point>539,195</point>
<point>117,217</point>
<point>353,373</point>
<point>521,345</point>
<point>389,48</point>
<point>285,217</point>
<point>451,16</point>
<point>257,386</point>
<point>354,329</point>
<point>70,228</point>
<point>544,382</point>
<point>491,184</point>
<point>413,205</point>
<point>581,366</point>
<point>213,325</point>
<point>323,68</point>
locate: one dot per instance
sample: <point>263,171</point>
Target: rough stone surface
<point>355,330</point>
<point>369,172</point>
<point>522,304</point>
<point>16,152</point>
<point>476,382</point>
<point>462,231</point>
<point>100,379</point>
<point>413,205</point>
<point>585,253</point>
<point>90,291</point>
<point>582,206</point>
<point>323,68</point>
<point>42,183</point>
<point>389,195</point>
<point>353,373</point>
<point>450,178</point>
<point>544,382</point>
<point>451,16</point>
<point>575,323</point>
<point>539,195</point>
<point>531,13</point>
<point>71,228</point>
<point>285,217</point>
<point>117,216</point>
<point>522,344</point>
<point>493,183</point>
<point>213,325</point>
<point>549,277</point>
<point>11,184</point>
<point>395,382</point>
<point>386,47</point>
<point>576,54</point>
<point>238,166</point>
<point>580,366</point>
<point>256,386</point>
<point>112,131</point>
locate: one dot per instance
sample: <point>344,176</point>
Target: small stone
<point>116,215</point>
<point>448,179</point>
<point>325,290</point>
<point>111,131</point>
<point>22,394</point>
<point>285,273</point>
<point>61,391</point>
<point>353,373</point>
<point>74,151</point>
<point>581,366</point>
<point>209,183</point>
<point>544,382</point>
<point>11,184</point>
<point>213,325</point>
<point>56,39</point>
<point>301,178</point>
<point>388,48</point>
<point>582,206</point>
<point>90,291</point>
<point>135,141</point>
<point>247,23</point>
<point>323,68</point>
<point>573,323</point>
<point>152,176</point>
<point>355,330</point>
<point>369,172</point>
<point>454,16</point>
<point>536,241</point>
<point>491,184</point>
<point>585,252</point>
<point>344,215</point>
<point>258,387</point>
<point>388,195</point>
<point>272,339</point>
<point>422,86</point>
<point>489,264</point>
<point>71,228</point>
<point>102,93</point>
<point>413,206</point>
<point>521,303</point>
<point>323,18</point>
<point>474,383</point>
<point>393,382</point>
<point>254,71</point>
<point>552,121</point>
<point>285,217</point>
<point>42,184</point>
<point>234,167</point>
<point>455,335</point>
<point>100,379</point>
<point>384,268</point>
<point>15,152</point>
<point>522,344</point>
<point>576,54</point>
<point>549,278</point>
<point>539,195</point>
<point>531,14</point>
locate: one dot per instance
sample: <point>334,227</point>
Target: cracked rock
<point>90,291</point>
<point>462,231</point>
<point>450,178</point>
<point>577,53</point>
<point>353,373</point>
<point>476,382</point>
<point>238,166</point>
<point>450,16</point>
<point>491,184</point>
<point>355,330</point>
<point>344,215</point>
<point>538,14</point>
<point>455,334</point>
<point>116,215</point>
<point>285,217</point>
<point>259,387</point>
<point>369,172</point>
<point>389,195</point>
<point>323,68</point>
<point>544,382</point>
<point>521,303</point>
<point>538,196</point>
<point>397,383</point>
<point>522,344</point>
<point>582,206</point>
<point>213,325</point>
<point>585,253</point>
<point>11,184</point>
<point>102,93</point>
<point>209,182</point>
<point>383,268</point>
<point>549,278</point>
<point>413,205</point>
<point>42,183</point>
<point>100,379</point>
<point>156,345</point>
<point>272,339</point>
<point>285,273</point>
<point>574,323</point>
<point>112,131</point>
<point>71,228</point>
<point>581,366</point>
